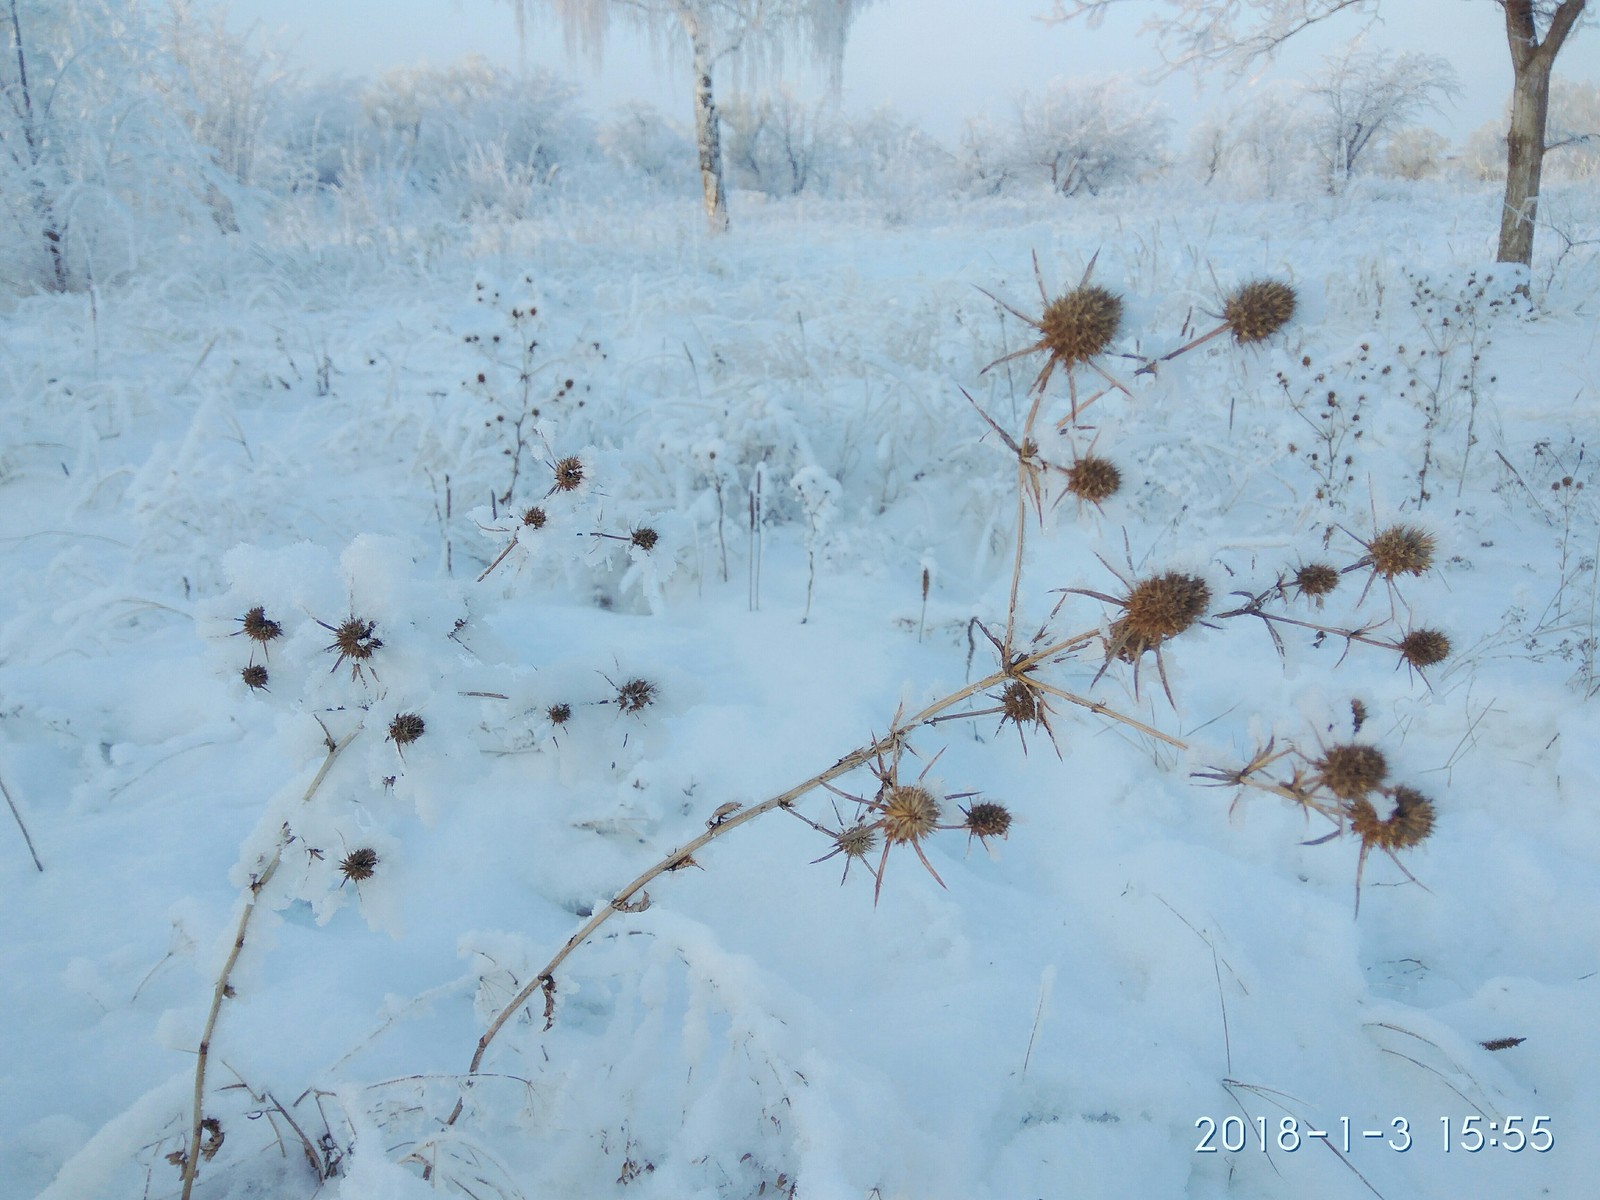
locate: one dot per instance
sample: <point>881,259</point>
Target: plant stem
<point>17,816</point>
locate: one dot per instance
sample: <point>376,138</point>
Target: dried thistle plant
<point>1410,821</point>
<point>258,627</point>
<point>1154,611</point>
<point>1258,310</point>
<point>355,639</point>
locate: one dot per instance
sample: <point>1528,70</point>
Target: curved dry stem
<point>223,988</point>
<point>17,816</point>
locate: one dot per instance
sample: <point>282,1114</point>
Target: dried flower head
<point>1316,580</point>
<point>645,538</point>
<point>1401,550</point>
<point>534,517</point>
<point>910,813</point>
<point>406,728</point>
<point>1093,479</point>
<point>355,640</point>
<point>255,677</point>
<point>1410,821</point>
<point>359,864</point>
<point>1424,647</point>
<point>569,474</point>
<point>1156,609</point>
<point>558,714</point>
<point>1080,324</point>
<point>987,819</point>
<point>1350,770</point>
<point>258,627</point>
<point>1019,704</point>
<point>635,695</point>
<point>1258,310</point>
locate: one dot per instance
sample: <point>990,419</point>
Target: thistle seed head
<point>1409,822</point>
<point>1159,608</point>
<point>636,695</point>
<point>1401,550</point>
<point>569,474</point>
<point>406,728</point>
<point>258,627</point>
<point>255,677</point>
<point>1350,770</point>
<point>1258,310</point>
<point>1424,647</point>
<point>986,819</point>
<point>910,813</point>
<point>359,864</point>
<point>1020,704</point>
<point>645,538</point>
<point>355,640</point>
<point>858,841</point>
<point>1093,479</point>
<point>534,517</point>
<point>1080,324</point>
<point>558,714</point>
<point>1316,580</point>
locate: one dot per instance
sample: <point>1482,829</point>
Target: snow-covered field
<point>1117,998</point>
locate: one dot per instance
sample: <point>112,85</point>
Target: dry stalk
<point>17,816</point>
<point>223,988</point>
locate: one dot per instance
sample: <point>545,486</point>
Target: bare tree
<point>1090,134</point>
<point>750,33</point>
<point>1364,94</point>
<point>1242,32</point>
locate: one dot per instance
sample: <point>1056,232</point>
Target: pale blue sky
<point>937,60</point>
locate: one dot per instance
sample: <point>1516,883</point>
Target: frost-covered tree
<point>755,35</point>
<point>1241,32</point>
<point>1260,144</point>
<point>1363,94</point>
<point>1089,134</point>
<point>777,142</point>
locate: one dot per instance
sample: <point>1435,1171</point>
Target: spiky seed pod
<point>1401,550</point>
<point>645,538</point>
<point>1409,822</point>
<point>258,627</point>
<point>1019,704</point>
<point>359,864</point>
<point>255,677</point>
<point>910,813</point>
<point>636,695</point>
<point>1424,647</point>
<point>569,474</point>
<point>860,840</point>
<point>355,640</point>
<point>534,517</point>
<point>1258,310</point>
<point>558,714</point>
<point>1316,580</point>
<point>1159,608</point>
<point>406,728</point>
<point>1358,716</point>
<point>1080,324</point>
<point>1350,770</point>
<point>986,819</point>
<point>1093,479</point>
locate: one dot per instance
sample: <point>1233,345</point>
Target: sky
<point>937,61</point>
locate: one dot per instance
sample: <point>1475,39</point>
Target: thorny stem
<point>258,883</point>
<point>17,816</point>
<point>624,901</point>
<point>1350,635</point>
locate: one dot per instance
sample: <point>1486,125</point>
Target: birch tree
<point>1239,33</point>
<point>755,36</point>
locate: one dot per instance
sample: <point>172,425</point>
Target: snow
<point>297,424</point>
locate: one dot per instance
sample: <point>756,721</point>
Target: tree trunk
<point>708,139</point>
<point>1531,61</point>
<point>43,208</point>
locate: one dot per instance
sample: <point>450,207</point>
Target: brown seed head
<point>1350,770</point>
<point>1093,479</point>
<point>359,864</point>
<point>258,627</point>
<point>558,714</point>
<point>1019,703</point>
<point>1409,822</point>
<point>636,695</point>
<point>986,819</point>
<point>1316,580</point>
<point>1401,550</point>
<point>569,474</point>
<point>910,813</point>
<point>1258,310</point>
<point>534,517</point>
<point>1077,326</point>
<point>254,676</point>
<point>858,841</point>
<point>1424,647</point>
<point>355,640</point>
<point>406,728</point>
<point>1159,608</point>
<point>645,538</point>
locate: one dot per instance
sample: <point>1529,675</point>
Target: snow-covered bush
<point>1087,135</point>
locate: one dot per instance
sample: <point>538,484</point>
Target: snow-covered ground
<point>1116,999</point>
